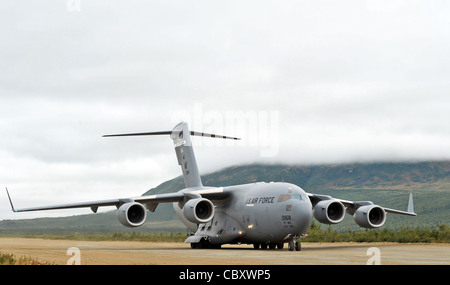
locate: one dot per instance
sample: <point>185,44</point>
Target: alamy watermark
<point>75,256</point>
<point>373,252</point>
<point>375,256</point>
<point>255,128</point>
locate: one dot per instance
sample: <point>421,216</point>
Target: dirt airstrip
<point>143,253</point>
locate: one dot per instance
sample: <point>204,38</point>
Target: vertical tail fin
<point>410,204</point>
<point>181,137</point>
<point>10,201</point>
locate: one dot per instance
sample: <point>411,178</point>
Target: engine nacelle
<point>370,216</point>
<point>199,210</point>
<point>329,212</point>
<point>132,214</point>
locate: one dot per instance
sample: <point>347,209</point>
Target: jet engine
<point>329,211</point>
<point>370,216</point>
<point>132,214</point>
<point>198,210</point>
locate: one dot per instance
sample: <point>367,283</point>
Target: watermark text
<point>255,128</point>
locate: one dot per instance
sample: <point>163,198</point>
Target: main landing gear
<point>270,245</point>
<point>204,243</point>
<point>292,245</point>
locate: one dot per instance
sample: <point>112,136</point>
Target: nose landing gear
<point>294,244</point>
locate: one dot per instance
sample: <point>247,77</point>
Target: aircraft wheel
<point>264,246</point>
<point>298,246</point>
<point>294,245</point>
<point>256,245</point>
<point>291,246</point>
<point>202,244</point>
<point>280,245</point>
<point>272,246</point>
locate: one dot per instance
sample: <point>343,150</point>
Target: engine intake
<point>199,210</point>
<point>329,212</point>
<point>370,216</point>
<point>132,214</point>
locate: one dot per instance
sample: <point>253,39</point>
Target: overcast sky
<point>300,81</point>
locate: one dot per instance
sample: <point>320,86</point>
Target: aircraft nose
<point>302,216</point>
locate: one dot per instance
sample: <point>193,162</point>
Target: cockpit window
<point>296,197</point>
<point>286,197</point>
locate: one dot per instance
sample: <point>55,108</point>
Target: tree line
<point>437,234</point>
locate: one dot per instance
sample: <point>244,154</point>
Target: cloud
<point>353,81</point>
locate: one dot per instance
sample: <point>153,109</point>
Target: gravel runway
<point>160,253</point>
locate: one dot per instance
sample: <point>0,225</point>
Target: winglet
<point>9,197</point>
<point>410,204</point>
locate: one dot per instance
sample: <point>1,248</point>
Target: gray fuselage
<point>256,213</point>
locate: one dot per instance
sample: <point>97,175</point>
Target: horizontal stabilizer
<point>140,134</point>
<point>199,134</point>
<point>193,133</point>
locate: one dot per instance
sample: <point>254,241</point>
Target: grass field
<point>10,259</point>
<point>439,234</point>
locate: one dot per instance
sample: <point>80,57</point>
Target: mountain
<point>387,184</point>
<point>402,176</point>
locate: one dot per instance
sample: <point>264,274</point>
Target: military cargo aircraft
<point>267,215</point>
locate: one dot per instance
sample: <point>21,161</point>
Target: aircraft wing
<point>151,201</point>
<point>94,205</point>
<point>352,206</point>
